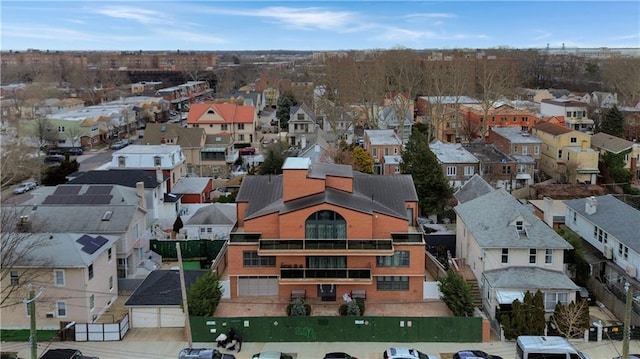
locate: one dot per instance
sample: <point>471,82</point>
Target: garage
<point>171,318</point>
<point>144,317</point>
<point>257,286</point>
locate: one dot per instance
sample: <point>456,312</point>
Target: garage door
<point>144,318</point>
<point>257,286</point>
<point>171,318</point>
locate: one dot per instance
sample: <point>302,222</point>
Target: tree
<point>16,162</point>
<point>277,152</point>
<point>494,80</point>
<point>456,294</point>
<point>285,102</point>
<point>362,161</point>
<point>526,317</point>
<point>571,320</point>
<point>21,254</point>
<point>432,187</point>
<point>177,225</point>
<point>298,308</point>
<point>204,295</point>
<point>622,76</point>
<point>56,175</point>
<point>613,122</point>
<point>613,168</point>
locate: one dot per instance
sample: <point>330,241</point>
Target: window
<point>15,278</point>
<point>301,117</point>
<point>532,255</point>
<point>241,137</point>
<point>386,151</point>
<point>109,254</point>
<point>548,256</point>
<point>574,216</point>
<point>392,283</point>
<point>574,140</point>
<point>525,150</point>
<point>325,225</point>
<point>519,226</point>
<point>469,170</point>
<point>515,149</point>
<point>375,152</point>
<point>241,126</point>
<point>559,153</point>
<point>327,262</point>
<point>122,161</point>
<point>111,283</point>
<point>551,299</point>
<point>568,113</point>
<point>224,127</point>
<point>505,255</point>
<point>623,250</point>
<point>536,150</point>
<point>395,151</point>
<point>61,309</point>
<point>252,259</point>
<point>451,171</point>
<point>506,170</point>
<point>92,302</point>
<point>157,161</point>
<point>601,235</point>
<point>398,259</point>
<point>522,168</point>
<point>58,277</point>
<point>27,309</point>
<point>60,128</point>
<point>90,271</point>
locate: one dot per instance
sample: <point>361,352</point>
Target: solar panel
<point>101,190</point>
<point>94,199</point>
<point>84,239</point>
<point>90,244</point>
<point>64,190</point>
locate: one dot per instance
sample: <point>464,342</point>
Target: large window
<point>61,309</point>
<point>252,259</point>
<point>398,259</point>
<point>58,277</point>
<point>551,299</point>
<point>393,283</point>
<point>533,253</point>
<point>451,171</point>
<point>15,278</point>
<point>327,262</point>
<point>505,255</point>
<point>548,256</point>
<point>325,225</point>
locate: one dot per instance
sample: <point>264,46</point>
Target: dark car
<point>585,294</point>
<point>631,356</point>
<point>65,354</point>
<point>51,159</point>
<point>474,354</point>
<point>338,355</point>
<point>74,151</point>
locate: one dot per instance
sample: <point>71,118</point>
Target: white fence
<point>102,332</point>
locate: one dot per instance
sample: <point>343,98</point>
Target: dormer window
<point>519,226</point>
<point>157,161</point>
<point>210,112</point>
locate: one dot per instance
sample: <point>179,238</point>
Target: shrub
<point>298,308</point>
<point>353,308</point>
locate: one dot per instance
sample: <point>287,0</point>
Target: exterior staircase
<point>475,292</point>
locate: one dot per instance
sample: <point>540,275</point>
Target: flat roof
<point>296,163</point>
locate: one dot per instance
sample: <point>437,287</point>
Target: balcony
<point>324,275</point>
<point>326,246</point>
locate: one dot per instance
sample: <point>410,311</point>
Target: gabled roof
<point>294,109</point>
<point>528,278</point>
<point>191,185</point>
<point>610,143</point>
<point>80,219</point>
<point>214,214</point>
<point>564,102</point>
<point>162,288</point>
<point>62,250</point>
<point>551,128</point>
<point>124,177</point>
<point>187,137</point>
<point>489,219</point>
<point>473,188</point>
<point>613,216</point>
<point>230,113</point>
<point>220,139</point>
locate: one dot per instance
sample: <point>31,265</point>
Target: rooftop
<point>383,137</point>
<point>452,153</point>
<point>515,135</point>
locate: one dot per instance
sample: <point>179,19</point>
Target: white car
<point>406,353</point>
<point>25,187</point>
<point>271,355</point>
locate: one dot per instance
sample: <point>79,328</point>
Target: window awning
<point>508,296</point>
<point>523,176</point>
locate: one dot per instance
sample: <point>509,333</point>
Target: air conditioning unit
<point>608,252</point>
<point>50,315</point>
<point>631,270</point>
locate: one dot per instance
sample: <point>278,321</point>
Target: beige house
<point>566,154</point>
<point>630,151</point>
<point>75,273</point>
<point>226,118</point>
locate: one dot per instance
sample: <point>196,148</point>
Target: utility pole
<point>185,304</point>
<point>627,321</point>
<point>32,311</point>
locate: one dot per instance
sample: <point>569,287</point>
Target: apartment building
<point>574,112</point>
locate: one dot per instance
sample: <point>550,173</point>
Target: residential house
<point>250,98</point>
<point>629,151</point>
<point>77,274</point>
<point>575,113</point>
<point>302,121</point>
<point>472,189</point>
<point>389,118</point>
<point>103,209</point>
<point>214,221</point>
<point>458,164</point>
<point>226,118</point>
<point>498,168</point>
<point>385,147</point>
<point>610,226</point>
<point>566,154</point>
<point>194,189</point>
<point>316,148</point>
<point>52,105</point>
<point>551,211</point>
<point>520,145</point>
<point>326,230</point>
<point>169,158</point>
<point>157,301</point>
<point>443,115</point>
<point>631,122</point>
<point>511,251</point>
<point>182,96</point>
<point>501,114</point>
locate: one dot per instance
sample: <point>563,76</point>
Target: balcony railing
<point>406,237</point>
<point>326,244</point>
<point>326,273</point>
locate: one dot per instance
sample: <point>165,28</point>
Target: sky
<point>316,25</point>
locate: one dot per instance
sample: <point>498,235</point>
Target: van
<point>546,347</point>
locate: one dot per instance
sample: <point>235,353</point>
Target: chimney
<point>142,200</point>
<point>591,205</point>
<point>548,211</point>
<point>303,142</point>
<point>159,175</point>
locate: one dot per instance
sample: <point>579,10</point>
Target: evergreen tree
<point>285,102</point>
<point>456,294</point>
<point>613,122</point>
<point>362,161</point>
<point>276,154</point>
<point>204,295</point>
<point>177,225</point>
<point>421,163</point>
<point>56,175</point>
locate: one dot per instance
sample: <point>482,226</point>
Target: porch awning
<point>523,176</point>
<point>508,296</point>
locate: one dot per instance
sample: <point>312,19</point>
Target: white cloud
<point>430,15</point>
<point>43,32</point>
<point>542,35</point>
<point>143,16</point>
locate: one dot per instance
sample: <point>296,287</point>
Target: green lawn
<point>22,335</point>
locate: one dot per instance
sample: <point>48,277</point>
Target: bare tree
<point>494,80</point>
<point>622,75</point>
<point>21,255</point>
<point>16,163</point>
<point>571,320</point>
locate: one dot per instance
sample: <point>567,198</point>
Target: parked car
<point>631,356</point>
<point>55,151</point>
<point>203,353</point>
<point>65,354</point>
<point>119,144</point>
<point>406,353</point>
<point>585,294</point>
<point>338,355</point>
<point>247,151</point>
<point>474,354</point>
<point>51,159</point>
<point>271,355</point>
<point>74,151</point>
<point>25,187</point>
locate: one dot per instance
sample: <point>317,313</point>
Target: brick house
<point>523,147</point>
<point>499,115</point>
<point>385,147</point>
<point>326,230</point>
<point>458,164</point>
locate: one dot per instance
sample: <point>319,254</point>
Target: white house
<point>168,158</point>
<point>574,112</point>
